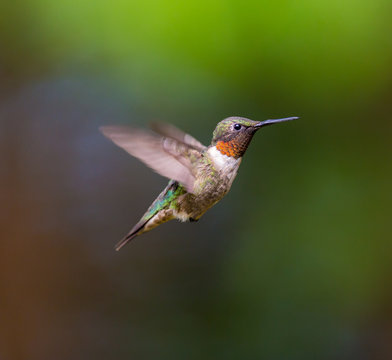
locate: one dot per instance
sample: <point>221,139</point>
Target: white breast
<point>227,165</point>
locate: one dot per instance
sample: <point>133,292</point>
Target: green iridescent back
<point>165,198</point>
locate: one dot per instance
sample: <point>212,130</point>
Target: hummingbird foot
<point>193,220</point>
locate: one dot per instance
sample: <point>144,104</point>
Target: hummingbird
<point>199,175</point>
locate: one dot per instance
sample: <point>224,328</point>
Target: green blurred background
<point>295,263</point>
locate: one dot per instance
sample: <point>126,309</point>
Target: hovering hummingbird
<point>200,175</point>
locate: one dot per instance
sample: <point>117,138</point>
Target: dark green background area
<point>295,263</point>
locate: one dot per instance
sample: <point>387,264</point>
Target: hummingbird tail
<point>146,224</point>
<point>132,234</point>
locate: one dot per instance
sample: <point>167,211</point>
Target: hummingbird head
<point>233,134</point>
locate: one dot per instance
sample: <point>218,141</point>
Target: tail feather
<point>158,213</point>
<point>146,224</point>
<point>132,234</point>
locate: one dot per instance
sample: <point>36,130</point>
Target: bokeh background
<point>295,263</point>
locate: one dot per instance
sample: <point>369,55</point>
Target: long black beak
<point>273,121</point>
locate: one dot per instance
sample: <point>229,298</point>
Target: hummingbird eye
<point>237,126</point>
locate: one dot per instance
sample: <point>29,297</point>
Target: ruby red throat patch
<point>230,148</point>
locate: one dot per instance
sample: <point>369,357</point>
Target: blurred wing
<point>171,131</point>
<point>166,156</point>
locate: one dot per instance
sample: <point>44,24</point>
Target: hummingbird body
<point>200,175</point>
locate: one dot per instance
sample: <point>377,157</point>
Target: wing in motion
<point>171,131</point>
<point>166,155</point>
